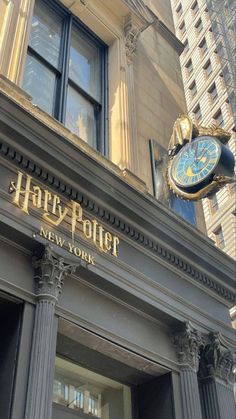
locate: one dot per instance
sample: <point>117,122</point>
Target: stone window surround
<point>120,34</point>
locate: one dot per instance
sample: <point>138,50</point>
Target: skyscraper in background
<point>207,28</point>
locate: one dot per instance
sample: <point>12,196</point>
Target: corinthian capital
<point>49,272</point>
<point>217,360</point>
<point>187,342</point>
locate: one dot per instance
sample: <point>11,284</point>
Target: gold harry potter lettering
<point>43,199</point>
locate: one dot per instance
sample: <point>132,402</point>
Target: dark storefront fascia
<point>128,314</point>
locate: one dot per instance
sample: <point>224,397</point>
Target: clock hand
<point>202,155</point>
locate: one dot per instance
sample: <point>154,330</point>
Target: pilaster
<point>49,273</point>
<point>132,31</point>
<point>16,20</point>
<point>217,378</point>
<point>187,342</point>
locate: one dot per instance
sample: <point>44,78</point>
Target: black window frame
<point>62,73</point>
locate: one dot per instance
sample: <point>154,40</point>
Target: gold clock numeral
<point>189,171</point>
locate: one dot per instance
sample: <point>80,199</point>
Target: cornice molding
<point>139,9</point>
<point>166,33</point>
<point>124,227</point>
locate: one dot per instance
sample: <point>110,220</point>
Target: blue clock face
<point>196,161</point>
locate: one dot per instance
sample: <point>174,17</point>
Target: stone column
<point>187,342</point>
<point>216,378</point>
<point>49,273</point>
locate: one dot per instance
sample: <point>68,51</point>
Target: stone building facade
<point>111,305</point>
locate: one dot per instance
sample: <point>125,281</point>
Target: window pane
<point>84,66</point>
<point>46,33</point>
<point>88,394</point>
<point>39,82</point>
<point>80,117</point>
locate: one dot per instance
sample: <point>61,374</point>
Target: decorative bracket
<point>132,31</point>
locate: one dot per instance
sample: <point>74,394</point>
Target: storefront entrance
<point>91,381</point>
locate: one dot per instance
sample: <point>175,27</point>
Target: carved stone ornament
<point>50,271</point>
<point>217,361</point>
<point>132,31</point>
<point>131,37</point>
<point>187,343</point>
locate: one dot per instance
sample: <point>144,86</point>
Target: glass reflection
<point>89,394</point>
<point>39,82</point>
<point>45,34</point>
<point>80,117</point>
<point>84,65</point>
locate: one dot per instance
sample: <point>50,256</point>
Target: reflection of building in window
<point>219,238</point>
<point>183,208</point>
<point>87,392</point>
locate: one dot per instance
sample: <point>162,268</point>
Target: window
<point>195,7</point>
<point>89,394</point>
<point>197,113</point>
<point>186,45</point>
<point>182,28</point>
<point>208,68</point>
<point>65,72</point>
<point>189,67</point>
<point>213,92</point>
<point>179,10</point>
<point>193,89</point>
<point>199,25</point>
<point>214,206</point>
<point>219,238</point>
<point>203,46</point>
<point>218,118</point>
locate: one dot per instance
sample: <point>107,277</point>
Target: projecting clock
<point>195,162</point>
<point>200,167</point>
